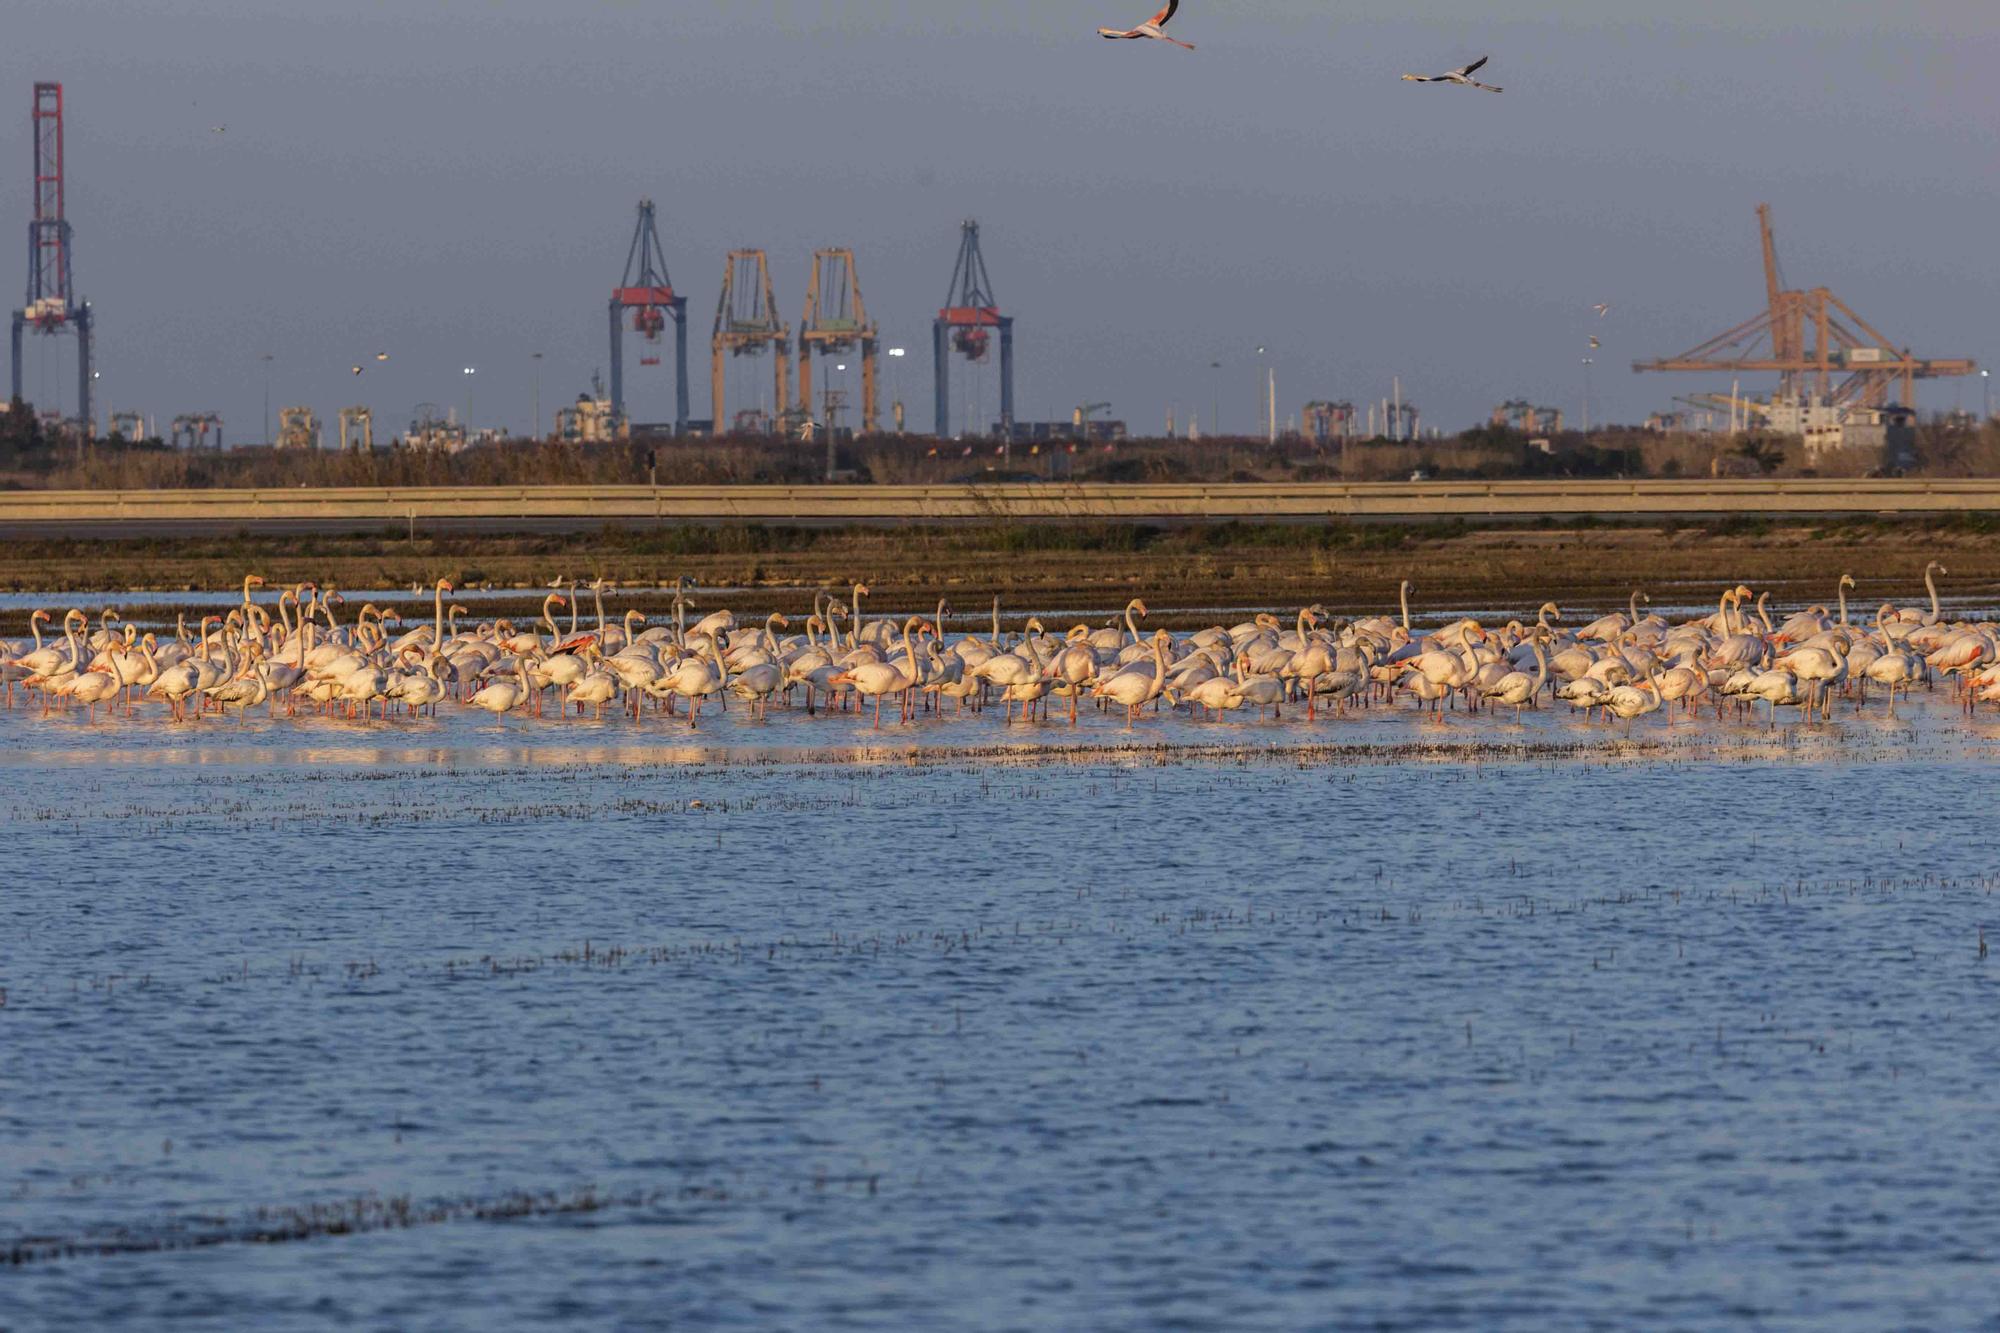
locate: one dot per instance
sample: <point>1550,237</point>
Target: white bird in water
<point>1463,76</point>
<point>1150,28</point>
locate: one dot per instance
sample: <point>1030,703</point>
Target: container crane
<point>52,306</point>
<point>1809,338</point>
<point>1080,418</point>
<point>747,324</point>
<point>647,292</point>
<point>835,321</point>
<point>963,327</point>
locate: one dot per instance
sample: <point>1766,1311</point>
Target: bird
<point>1461,76</point>
<point>1150,28</point>
<point>218,129</point>
<point>357,370</point>
<point>1594,344</point>
<point>1602,308</point>
<point>381,356</point>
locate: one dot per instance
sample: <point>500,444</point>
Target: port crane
<point>1817,345</point>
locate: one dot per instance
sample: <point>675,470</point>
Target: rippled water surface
<point>1364,1022</point>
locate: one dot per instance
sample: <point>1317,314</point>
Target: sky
<point>454,182</point>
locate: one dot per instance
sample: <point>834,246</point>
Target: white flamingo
<point>1462,75</point>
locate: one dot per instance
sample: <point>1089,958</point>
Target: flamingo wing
<point>1115,33</point>
<point>1159,20</point>
<point>1473,68</point>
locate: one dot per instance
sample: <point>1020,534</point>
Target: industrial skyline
<point>457,203</point>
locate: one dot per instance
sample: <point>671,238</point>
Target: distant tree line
<point>29,459</point>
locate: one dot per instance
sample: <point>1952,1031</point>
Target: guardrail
<point>584,506</point>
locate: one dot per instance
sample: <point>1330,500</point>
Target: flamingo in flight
<point>1463,76</point>
<point>1150,28</point>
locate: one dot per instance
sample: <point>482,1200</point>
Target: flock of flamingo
<point>1623,665</point>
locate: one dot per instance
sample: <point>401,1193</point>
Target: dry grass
<point>1085,568</point>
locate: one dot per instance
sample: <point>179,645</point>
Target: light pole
<point>896,385</point>
<point>267,397</point>
<point>1215,399</point>
<point>1986,391</point>
<point>535,426</point>
<point>1587,364</point>
<point>841,368</point>
<point>470,371</point>
<point>1260,383</point>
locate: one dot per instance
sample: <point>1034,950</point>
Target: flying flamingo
<point>1462,75</point>
<point>1150,28</point>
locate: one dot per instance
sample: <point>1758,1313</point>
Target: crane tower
<point>1809,338</point>
<point>649,295</point>
<point>52,305</point>
<point>747,324</point>
<point>835,321</point>
<point>963,325</point>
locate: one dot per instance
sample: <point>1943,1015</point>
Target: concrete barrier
<point>555,508</point>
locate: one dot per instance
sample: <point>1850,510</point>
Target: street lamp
<point>1986,391</point>
<point>266,358</point>
<point>1260,383</point>
<point>1215,399</point>
<point>470,371</point>
<point>896,385</point>
<point>831,456</point>
<point>1587,364</point>
<point>535,426</point>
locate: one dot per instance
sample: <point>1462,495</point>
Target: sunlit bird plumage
<point>1150,28</point>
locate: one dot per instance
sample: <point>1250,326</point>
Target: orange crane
<point>1809,338</point>
<point>836,321</point>
<point>747,323</point>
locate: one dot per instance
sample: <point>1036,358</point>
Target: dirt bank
<point>1348,568</point>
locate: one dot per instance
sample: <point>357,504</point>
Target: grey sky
<point>453,181</point>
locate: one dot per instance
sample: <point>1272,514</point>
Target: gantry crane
<point>193,428</point>
<point>1528,418</point>
<point>1809,338</point>
<point>962,327</point>
<point>1325,420</point>
<point>649,295</point>
<point>747,324</point>
<point>357,429</point>
<point>835,322</point>
<point>52,306</point>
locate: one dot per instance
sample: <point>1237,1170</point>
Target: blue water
<point>1467,1026</point>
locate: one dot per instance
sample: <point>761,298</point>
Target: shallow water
<point>1377,1021</point>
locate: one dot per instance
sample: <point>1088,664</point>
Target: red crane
<point>646,291</point>
<point>52,306</point>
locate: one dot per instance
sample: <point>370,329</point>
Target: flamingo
<point>502,696</point>
<point>1518,687</point>
<point>1462,75</point>
<point>875,679</point>
<point>1152,27</point>
<point>1134,690</point>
